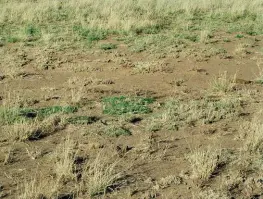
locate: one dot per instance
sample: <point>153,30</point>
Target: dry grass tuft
<point>34,130</point>
<point>252,133</point>
<point>98,176</point>
<point>223,83</point>
<point>210,194</point>
<point>177,113</point>
<point>38,187</point>
<point>204,162</point>
<point>64,160</point>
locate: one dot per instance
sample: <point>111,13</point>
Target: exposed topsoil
<point>169,125</point>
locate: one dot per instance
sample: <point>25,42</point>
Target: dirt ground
<point>151,163</point>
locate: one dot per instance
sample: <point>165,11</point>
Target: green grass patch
<point>13,115</point>
<point>82,120</point>
<point>90,34</point>
<point>117,131</point>
<point>108,46</point>
<point>239,36</point>
<point>47,111</point>
<point>13,39</point>
<point>150,29</point>
<point>122,105</point>
<point>259,81</point>
<point>10,116</point>
<point>32,32</point>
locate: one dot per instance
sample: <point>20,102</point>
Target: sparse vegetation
<point>177,113</point>
<point>123,99</point>
<point>122,105</point>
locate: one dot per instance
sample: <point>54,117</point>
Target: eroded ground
<point>114,123</point>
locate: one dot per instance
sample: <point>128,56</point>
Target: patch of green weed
<point>239,36</point>
<point>32,32</point>
<point>151,29</point>
<point>81,120</point>
<point>108,46</point>
<point>122,105</point>
<point>177,113</point>
<point>117,131</point>
<point>12,115</point>
<point>13,39</point>
<point>91,34</point>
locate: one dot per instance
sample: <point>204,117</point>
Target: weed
<point>47,111</point>
<point>147,67</point>
<point>204,162</point>
<point>210,194</point>
<point>13,39</point>
<point>82,120</point>
<point>34,130</point>
<point>38,187</point>
<point>9,156</point>
<point>64,160</point>
<point>176,113</point>
<point>204,36</point>
<point>223,84</point>
<point>32,32</point>
<point>239,36</point>
<point>90,35</point>
<point>252,132</point>
<point>122,105</point>
<point>115,131</point>
<point>77,94</point>
<point>98,176</point>
<point>259,78</point>
<point>108,46</point>
<point>151,29</point>
<point>12,115</point>
<point>22,131</point>
<point>32,189</point>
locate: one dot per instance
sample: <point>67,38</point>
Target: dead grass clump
<point>64,160</point>
<point>34,130</point>
<point>38,187</point>
<point>210,194</point>
<point>259,76</point>
<point>22,131</point>
<point>98,176</point>
<point>178,113</point>
<point>223,83</point>
<point>231,181</point>
<point>169,180</point>
<point>77,87</point>
<point>204,162</point>
<point>204,36</point>
<point>147,67</point>
<point>252,133</point>
<point>9,155</point>
<point>241,50</point>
